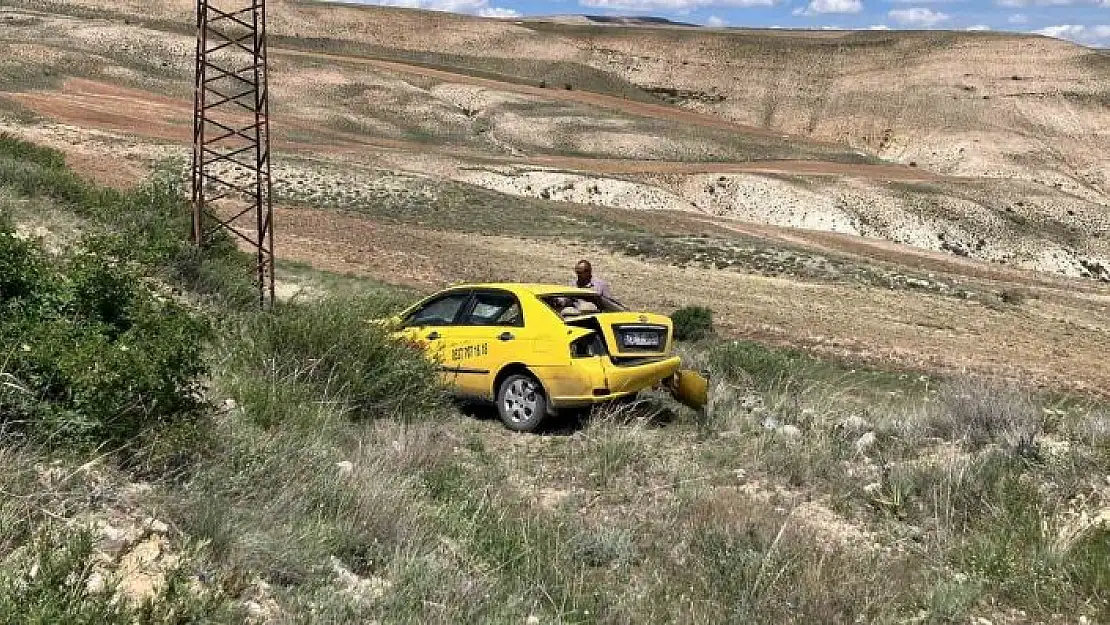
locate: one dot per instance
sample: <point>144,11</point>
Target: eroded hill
<point>987,145</point>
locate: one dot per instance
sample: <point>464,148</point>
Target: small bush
<point>327,351</point>
<point>25,151</point>
<point>95,353</point>
<point>977,414</point>
<point>693,323</point>
<point>149,224</point>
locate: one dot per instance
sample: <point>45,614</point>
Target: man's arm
<point>605,290</point>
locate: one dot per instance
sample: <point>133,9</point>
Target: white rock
<point>873,488</point>
<point>138,488</point>
<point>532,620</point>
<point>345,467</point>
<point>96,583</point>
<point>770,423</point>
<point>156,526</point>
<point>865,442</point>
<point>111,533</point>
<point>365,589</point>
<point>982,621</point>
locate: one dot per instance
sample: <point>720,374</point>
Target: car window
<point>438,312</point>
<point>495,309</point>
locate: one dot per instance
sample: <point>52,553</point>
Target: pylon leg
<point>231,174</point>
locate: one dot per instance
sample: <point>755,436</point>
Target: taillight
<point>587,346</point>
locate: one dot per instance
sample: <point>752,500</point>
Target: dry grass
<point>811,490</point>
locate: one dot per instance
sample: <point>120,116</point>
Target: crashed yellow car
<point>536,349</point>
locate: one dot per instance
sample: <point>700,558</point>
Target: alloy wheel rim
<point>521,400</point>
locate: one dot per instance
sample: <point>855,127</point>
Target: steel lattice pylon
<point>231,132</point>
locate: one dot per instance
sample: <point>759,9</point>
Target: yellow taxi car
<point>536,349</point>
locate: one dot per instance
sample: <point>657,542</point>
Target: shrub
<point>22,150</point>
<point>21,266</point>
<point>326,351</point>
<point>977,414</point>
<point>150,224</point>
<point>96,354</point>
<point>692,323</point>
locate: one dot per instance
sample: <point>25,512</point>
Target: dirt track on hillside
<point>590,98</point>
<point>93,104</point>
<point>916,258</point>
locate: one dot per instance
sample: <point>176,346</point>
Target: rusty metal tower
<point>232,182</point>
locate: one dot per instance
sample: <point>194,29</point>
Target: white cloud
<point>715,22</point>
<point>978,27</point>
<point>1018,18</point>
<point>679,6</point>
<point>498,12</point>
<point>1087,35</point>
<point>825,7</point>
<point>1020,4</point>
<point>879,27</point>
<point>918,17</point>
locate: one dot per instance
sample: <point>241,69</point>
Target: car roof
<point>533,288</point>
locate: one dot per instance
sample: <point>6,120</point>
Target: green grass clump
<point>148,225</point>
<point>763,365</point>
<point>692,323</point>
<point>327,350</point>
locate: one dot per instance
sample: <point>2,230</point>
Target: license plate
<point>641,339</point>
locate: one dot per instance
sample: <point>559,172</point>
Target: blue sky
<point>1082,21</point>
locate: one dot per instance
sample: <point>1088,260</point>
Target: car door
<point>431,326</point>
<point>490,333</point>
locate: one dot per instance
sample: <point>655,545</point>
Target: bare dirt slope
<point>987,104</point>
<point>1017,151</point>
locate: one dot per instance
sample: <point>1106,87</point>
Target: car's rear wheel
<point>521,402</point>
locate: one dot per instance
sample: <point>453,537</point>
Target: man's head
<point>584,271</point>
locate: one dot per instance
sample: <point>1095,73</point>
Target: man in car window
<point>586,280</point>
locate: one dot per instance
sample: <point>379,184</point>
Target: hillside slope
<point>1010,157</point>
<point>175,455</point>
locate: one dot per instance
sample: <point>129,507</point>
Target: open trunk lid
<point>630,335</point>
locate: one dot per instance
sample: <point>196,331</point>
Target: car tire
<point>521,402</point>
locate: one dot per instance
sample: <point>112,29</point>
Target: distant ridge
<point>615,20</point>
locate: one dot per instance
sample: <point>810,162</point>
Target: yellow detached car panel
<point>538,348</point>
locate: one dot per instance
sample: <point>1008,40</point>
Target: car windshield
<point>575,304</point>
